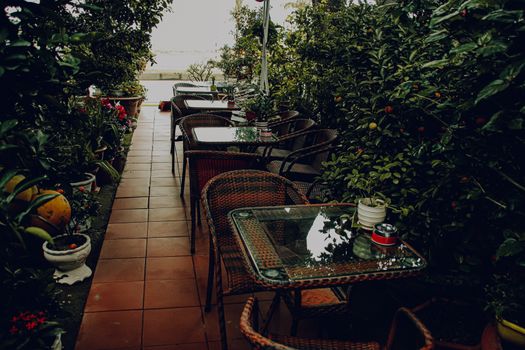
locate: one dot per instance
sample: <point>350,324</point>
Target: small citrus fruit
<point>338,99</point>
<point>73,246</point>
<point>389,109</point>
<point>57,211</point>
<point>372,125</point>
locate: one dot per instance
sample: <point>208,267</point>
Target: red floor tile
<point>128,215</point>
<point>128,230</point>
<point>138,166</point>
<point>161,166</point>
<point>161,173</point>
<point>125,190</point>
<point>166,268</point>
<point>165,181</point>
<point>110,330</point>
<point>136,174</point>
<point>123,248</point>
<point>115,296</point>
<point>232,317</point>
<point>173,326</point>
<point>131,203</point>
<point>168,229</point>
<point>164,191</point>
<point>167,214</point>
<point>112,270</point>
<point>167,202</point>
<point>143,159</point>
<point>169,246</point>
<point>141,182</point>
<point>170,294</point>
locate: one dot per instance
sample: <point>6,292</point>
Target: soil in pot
<point>454,325</point>
<point>68,242</point>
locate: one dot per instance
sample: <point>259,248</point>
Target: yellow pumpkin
<point>25,195</point>
<point>57,211</point>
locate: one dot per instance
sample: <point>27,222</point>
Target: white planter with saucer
<point>370,212</point>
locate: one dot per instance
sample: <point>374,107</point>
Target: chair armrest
<point>416,323</point>
<point>302,153</point>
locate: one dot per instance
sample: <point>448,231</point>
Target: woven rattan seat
<point>397,340</point>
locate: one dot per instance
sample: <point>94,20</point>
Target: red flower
<point>389,109</point>
<point>81,188</point>
<point>31,325</point>
<point>121,112</point>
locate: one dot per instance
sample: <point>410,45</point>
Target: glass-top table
<point>239,135</point>
<point>216,105</point>
<point>316,245</point>
<point>195,90</point>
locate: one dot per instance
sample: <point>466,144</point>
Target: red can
<point>384,234</point>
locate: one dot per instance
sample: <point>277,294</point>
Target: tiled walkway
<point>148,291</point>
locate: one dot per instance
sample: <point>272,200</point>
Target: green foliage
<point>427,98</point>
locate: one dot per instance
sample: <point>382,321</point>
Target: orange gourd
<point>57,211</point>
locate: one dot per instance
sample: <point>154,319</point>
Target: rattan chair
<point>421,339</point>
<point>186,125</point>
<point>181,84</point>
<point>225,192</point>
<point>286,132</point>
<point>176,116</point>
<point>278,117</point>
<point>204,165</point>
<point>304,164</point>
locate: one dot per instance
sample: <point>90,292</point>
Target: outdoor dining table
<point>312,246</point>
<point>242,136</point>
<point>188,90</point>
<point>207,105</point>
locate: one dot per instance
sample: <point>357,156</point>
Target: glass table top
<point>231,135</point>
<point>294,243</point>
<point>210,105</point>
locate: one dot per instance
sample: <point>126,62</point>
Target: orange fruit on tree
<point>57,211</point>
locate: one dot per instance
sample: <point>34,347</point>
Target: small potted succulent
<point>258,108</point>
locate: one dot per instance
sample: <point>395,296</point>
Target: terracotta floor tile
<point>161,159</point>
<point>170,293</point>
<point>171,246</point>
<point>126,190</point>
<point>136,174</point>
<point>112,270</point>
<point>110,330</point>
<point>191,346</point>
<point>161,173</point>
<point>167,214</point>
<point>167,202</point>
<point>141,182</point>
<point>115,296</point>
<point>164,191</point>
<point>168,229</point>
<point>128,230</point>
<point>143,159</point>
<point>161,166</point>
<point>138,166</point>
<point>131,203</point>
<point>128,215</point>
<point>123,248</point>
<point>141,147</point>
<point>169,268</point>
<point>137,153</point>
<point>173,326</point>
<point>165,181</point>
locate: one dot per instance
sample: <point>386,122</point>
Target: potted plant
<point>371,207</point>
<point>258,108</point>
<point>130,96</point>
<point>32,330</point>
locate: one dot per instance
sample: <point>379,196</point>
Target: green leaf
<point>435,36</point>
<point>464,48</point>
<point>504,16</point>
<point>516,124</point>
<point>24,185</point>
<point>510,247</point>
<point>20,43</point>
<point>436,64</point>
<point>493,48</point>
<point>37,202</point>
<point>437,20</point>
<point>491,89</point>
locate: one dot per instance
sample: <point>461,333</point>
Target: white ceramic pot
<point>87,183</point>
<point>368,215</point>
<point>70,264</point>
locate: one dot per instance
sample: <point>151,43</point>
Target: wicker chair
<point>204,165</point>
<point>423,340</point>
<point>186,125</point>
<point>278,117</point>
<point>286,130</point>
<point>225,192</point>
<point>304,164</point>
<point>181,84</point>
<point>176,116</point>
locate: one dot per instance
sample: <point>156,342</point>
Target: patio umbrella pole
<point>264,64</point>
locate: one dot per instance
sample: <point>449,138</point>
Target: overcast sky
<point>195,29</point>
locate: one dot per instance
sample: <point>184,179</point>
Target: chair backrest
<point>181,84</point>
<point>283,115</point>
<point>204,165</point>
<point>176,113</point>
<point>197,120</point>
<point>245,188</point>
<point>312,138</point>
<point>413,335</point>
<point>292,127</point>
